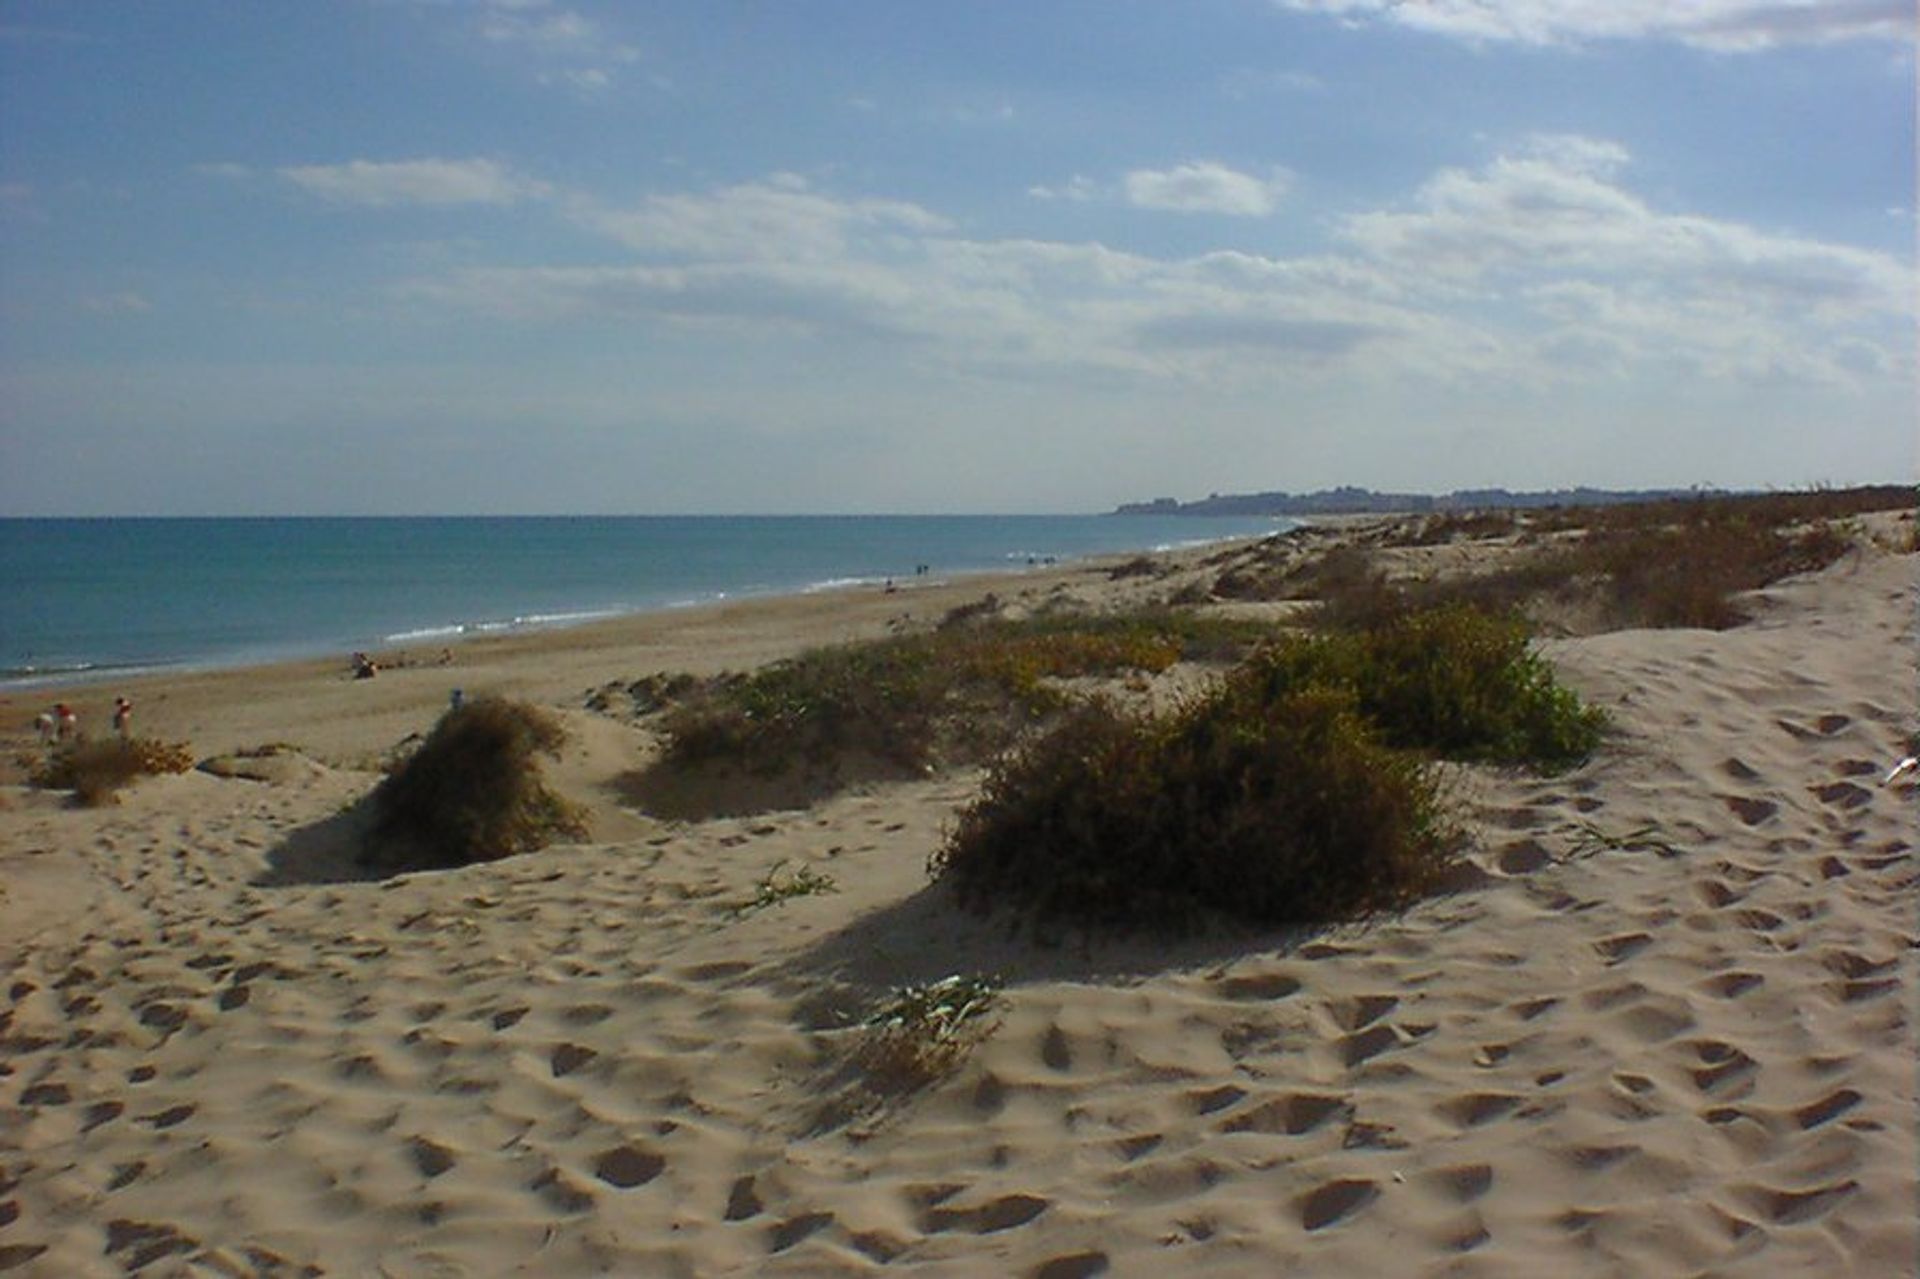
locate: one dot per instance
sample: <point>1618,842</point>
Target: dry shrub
<point>474,790</point>
<point>96,771</point>
<point>1264,809</point>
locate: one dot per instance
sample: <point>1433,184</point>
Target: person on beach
<point>364,667</point>
<point>43,727</point>
<point>122,717</point>
<point>66,724</point>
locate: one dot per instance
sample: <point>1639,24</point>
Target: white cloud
<point>1718,24</point>
<point>1078,189</point>
<point>427,182</point>
<point>567,46</point>
<point>1538,267</point>
<point>1548,230</point>
<point>1204,187</point>
<point>781,217</point>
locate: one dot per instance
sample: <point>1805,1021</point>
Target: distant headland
<point>1348,500</point>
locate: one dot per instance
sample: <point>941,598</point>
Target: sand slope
<point>1690,1054</point>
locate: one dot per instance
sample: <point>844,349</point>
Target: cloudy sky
<point>399,256</point>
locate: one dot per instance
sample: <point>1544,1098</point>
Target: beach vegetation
<point>917,701</point>
<point>1678,562</point>
<point>921,1032</point>
<point>1451,681</point>
<point>473,790</point>
<point>97,770</point>
<point>1260,804</point>
<point>775,888</point>
<point>1301,788</point>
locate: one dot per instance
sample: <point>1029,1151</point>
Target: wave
<point>56,674</point>
<point>494,626</point>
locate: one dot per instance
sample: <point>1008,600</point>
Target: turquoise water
<point>83,598</point>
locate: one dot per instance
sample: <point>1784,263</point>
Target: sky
<point>802,256</point>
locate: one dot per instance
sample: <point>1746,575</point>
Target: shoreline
<point>27,681</point>
<point>226,708</point>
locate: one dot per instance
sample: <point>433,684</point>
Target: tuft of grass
<point>772,890</point>
<point>922,1032</point>
<point>96,771</point>
<point>1262,805</point>
<point>474,790</point>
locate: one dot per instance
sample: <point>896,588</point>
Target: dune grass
<point>913,702</point>
<point>1299,790</point>
<point>1679,562</point>
<point>473,791</point>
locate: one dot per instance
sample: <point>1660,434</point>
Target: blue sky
<point>399,256</point>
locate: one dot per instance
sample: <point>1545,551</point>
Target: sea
<point>83,600</point>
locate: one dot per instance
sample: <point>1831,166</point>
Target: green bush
<point>1267,809</point>
<point>1452,681</point>
<point>912,701</point>
<point>95,771</point>
<point>474,790</point>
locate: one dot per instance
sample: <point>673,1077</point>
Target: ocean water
<point>83,599</point>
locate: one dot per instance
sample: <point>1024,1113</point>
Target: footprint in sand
<point>171,1117</point>
<point>568,1058</point>
<point>1751,811</point>
<point>743,1201</point>
<point>1724,1068</point>
<point>430,1157</point>
<point>626,1167</point>
<point>1005,1213</point>
<point>1523,857</point>
<point>1732,985</point>
<point>1622,947</point>
<point>1791,1207</point>
<point>1055,1051</point>
<point>1716,894</point>
<point>1335,1201</point>
<point>1295,1115</point>
<point>1368,1044</point>
<point>1462,1183</point>
<point>1842,794</point>
<point>1076,1265</point>
<point>1474,1109</point>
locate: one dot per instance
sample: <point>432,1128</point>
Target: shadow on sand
<point>327,852</point>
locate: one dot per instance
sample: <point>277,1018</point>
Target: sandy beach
<point>1663,1027</point>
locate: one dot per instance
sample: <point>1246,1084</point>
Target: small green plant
<point>921,1032</point>
<point>773,889</point>
<point>96,771</point>
<point>1589,839</point>
<point>473,790</point>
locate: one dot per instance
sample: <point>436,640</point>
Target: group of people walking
<point>62,723</point>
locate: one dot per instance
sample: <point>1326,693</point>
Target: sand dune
<point>1665,1029</point>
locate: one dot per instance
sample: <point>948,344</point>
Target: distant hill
<point>1357,501</point>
